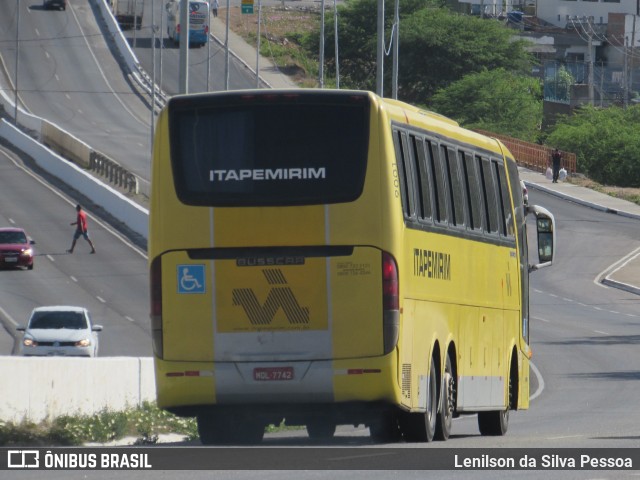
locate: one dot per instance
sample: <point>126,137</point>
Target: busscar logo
<point>23,459</point>
<point>279,297</point>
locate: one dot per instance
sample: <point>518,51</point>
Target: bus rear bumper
<point>281,387</point>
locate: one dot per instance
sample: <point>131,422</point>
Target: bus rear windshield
<point>269,150</point>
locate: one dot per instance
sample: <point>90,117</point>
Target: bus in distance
<point>198,21</point>
<point>331,257</point>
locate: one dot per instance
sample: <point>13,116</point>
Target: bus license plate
<point>267,374</point>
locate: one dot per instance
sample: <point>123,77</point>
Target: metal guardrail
<point>532,155</point>
<point>115,173</point>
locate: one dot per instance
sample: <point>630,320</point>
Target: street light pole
<point>380,49</point>
<point>184,46</point>
<point>321,69</point>
<point>15,97</point>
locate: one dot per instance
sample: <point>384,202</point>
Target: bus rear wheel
<point>421,427</point>
<point>447,402</point>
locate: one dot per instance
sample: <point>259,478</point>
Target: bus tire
<point>447,402</point>
<point>421,427</point>
<point>493,424</point>
<point>321,430</point>
<point>496,423</point>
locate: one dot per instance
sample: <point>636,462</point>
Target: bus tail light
<point>156,305</point>
<point>390,303</point>
<point>178,29</point>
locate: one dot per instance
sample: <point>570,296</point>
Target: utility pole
<point>380,50</point>
<point>633,52</point>
<point>396,50</point>
<point>258,49</point>
<point>335,32</point>
<point>15,95</point>
<point>226,51</point>
<point>590,48</point>
<point>153,74</point>
<point>184,46</point>
<point>625,79</point>
<point>321,54</point>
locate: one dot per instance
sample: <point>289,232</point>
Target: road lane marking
<point>564,436</point>
<point>51,258</point>
<point>101,299</point>
<point>614,267</point>
<point>129,318</point>
<point>74,278</point>
<point>538,375</point>
<point>601,332</point>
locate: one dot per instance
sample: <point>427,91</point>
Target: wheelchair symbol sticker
<point>191,279</point>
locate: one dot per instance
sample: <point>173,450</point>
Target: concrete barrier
<point>37,389</point>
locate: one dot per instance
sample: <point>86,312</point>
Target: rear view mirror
<point>546,235</point>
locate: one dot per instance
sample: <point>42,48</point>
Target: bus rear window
<point>269,150</point>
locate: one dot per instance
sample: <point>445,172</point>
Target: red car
<point>15,248</point>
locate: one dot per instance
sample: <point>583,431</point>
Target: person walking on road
<point>214,7</point>
<point>556,161</point>
<point>81,229</point>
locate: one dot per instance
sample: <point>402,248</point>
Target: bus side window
<point>489,195</point>
<point>404,172</point>
<point>456,194</point>
<point>507,224</point>
<point>472,190</point>
<point>422,178</point>
<point>437,182</point>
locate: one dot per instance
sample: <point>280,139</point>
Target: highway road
<point>113,284</point>
<point>68,74</point>
<point>206,64</point>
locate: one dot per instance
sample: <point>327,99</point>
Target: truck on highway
<point>128,13</point>
<point>198,22</point>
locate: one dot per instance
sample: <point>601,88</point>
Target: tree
<point>437,47</point>
<point>605,141</point>
<point>494,100</point>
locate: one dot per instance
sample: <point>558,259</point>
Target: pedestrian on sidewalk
<point>81,229</point>
<point>556,163</point>
<point>214,8</point>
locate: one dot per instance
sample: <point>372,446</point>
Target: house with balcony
<point>593,42</point>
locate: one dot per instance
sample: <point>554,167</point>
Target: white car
<point>60,331</point>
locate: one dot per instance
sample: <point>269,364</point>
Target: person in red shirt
<point>81,229</point>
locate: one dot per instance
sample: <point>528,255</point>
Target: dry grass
<point>280,33</point>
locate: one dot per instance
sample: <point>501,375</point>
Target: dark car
<point>61,4</point>
<point>15,248</point>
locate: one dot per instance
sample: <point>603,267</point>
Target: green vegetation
<point>145,423</point>
<point>605,141</point>
<point>496,101</point>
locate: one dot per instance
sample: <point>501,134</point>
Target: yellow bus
<point>335,258</point>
